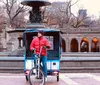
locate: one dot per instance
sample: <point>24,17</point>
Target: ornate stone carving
<point>35,15</point>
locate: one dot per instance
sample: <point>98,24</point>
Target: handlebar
<point>34,50</point>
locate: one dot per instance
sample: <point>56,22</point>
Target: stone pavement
<point>65,79</point>
<point>81,78</point>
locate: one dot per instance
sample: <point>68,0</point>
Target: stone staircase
<point>11,64</point>
<point>70,62</point>
<point>80,62</point>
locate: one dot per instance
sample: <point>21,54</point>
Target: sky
<point>92,6</point>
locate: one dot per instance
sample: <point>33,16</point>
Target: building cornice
<point>80,30</point>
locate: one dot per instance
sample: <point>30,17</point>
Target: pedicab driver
<point>36,44</point>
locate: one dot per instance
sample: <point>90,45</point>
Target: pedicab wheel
<point>34,79</point>
<point>58,77</point>
<point>26,78</point>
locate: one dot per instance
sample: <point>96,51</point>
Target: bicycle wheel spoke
<point>36,79</point>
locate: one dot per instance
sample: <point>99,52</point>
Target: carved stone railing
<point>80,54</point>
<point>79,30</point>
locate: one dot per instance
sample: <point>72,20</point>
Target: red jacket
<point>37,43</point>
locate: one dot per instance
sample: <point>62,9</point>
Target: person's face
<point>39,34</point>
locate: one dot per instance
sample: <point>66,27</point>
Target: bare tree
<point>19,21</point>
<point>13,9</point>
<point>2,18</point>
<point>67,11</point>
<point>81,20</point>
<point>61,12</point>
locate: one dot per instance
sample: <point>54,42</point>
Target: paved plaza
<point>65,79</point>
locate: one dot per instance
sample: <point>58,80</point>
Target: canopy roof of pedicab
<point>37,30</point>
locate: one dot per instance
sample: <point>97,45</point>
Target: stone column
<point>99,44</point>
<point>67,43</point>
<point>89,44</point>
<point>79,45</point>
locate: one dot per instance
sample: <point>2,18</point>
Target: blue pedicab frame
<point>54,54</point>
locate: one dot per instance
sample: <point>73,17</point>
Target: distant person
<point>84,47</point>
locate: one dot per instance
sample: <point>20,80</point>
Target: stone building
<point>81,39</point>
<point>74,39</point>
<point>12,42</point>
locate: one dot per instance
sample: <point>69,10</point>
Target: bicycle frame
<point>36,75</point>
<point>38,61</point>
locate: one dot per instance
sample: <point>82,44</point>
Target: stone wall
<point>11,41</point>
<point>78,34</point>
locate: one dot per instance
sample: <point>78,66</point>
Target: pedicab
<point>53,56</point>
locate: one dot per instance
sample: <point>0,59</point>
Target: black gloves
<point>46,47</point>
<point>34,50</point>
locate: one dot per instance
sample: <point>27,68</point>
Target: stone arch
<point>95,45</point>
<point>84,45</point>
<point>63,45</point>
<point>20,39</point>
<point>74,45</point>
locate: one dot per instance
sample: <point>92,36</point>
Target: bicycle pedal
<point>38,77</point>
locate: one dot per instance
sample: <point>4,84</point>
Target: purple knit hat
<point>41,31</point>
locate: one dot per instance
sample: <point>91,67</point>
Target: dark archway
<point>95,45</point>
<point>63,45</point>
<point>84,45</point>
<point>74,45</point>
